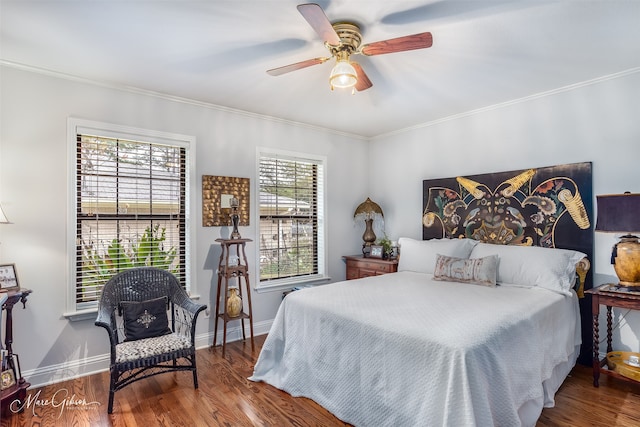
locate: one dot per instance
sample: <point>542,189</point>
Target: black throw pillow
<point>145,319</point>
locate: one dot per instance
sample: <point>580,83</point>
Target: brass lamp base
<point>368,237</point>
<point>626,260</point>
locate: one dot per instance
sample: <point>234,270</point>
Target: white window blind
<point>131,204</point>
<point>291,203</point>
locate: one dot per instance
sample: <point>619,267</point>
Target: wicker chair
<point>134,360</point>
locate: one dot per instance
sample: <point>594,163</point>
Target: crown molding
<point>173,98</point>
<point>522,100</point>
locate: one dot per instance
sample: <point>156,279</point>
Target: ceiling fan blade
<point>415,41</point>
<point>316,17</point>
<point>363,82</point>
<point>297,66</point>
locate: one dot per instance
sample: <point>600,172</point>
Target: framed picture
<point>7,379</point>
<point>217,192</point>
<point>8,278</point>
<point>376,251</point>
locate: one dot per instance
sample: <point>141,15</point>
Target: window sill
<point>287,284</point>
<point>92,313</point>
<point>87,314</point>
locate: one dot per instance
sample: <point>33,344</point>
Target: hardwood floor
<point>226,398</point>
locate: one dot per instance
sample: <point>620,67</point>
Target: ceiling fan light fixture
<point>343,75</point>
<point>343,39</point>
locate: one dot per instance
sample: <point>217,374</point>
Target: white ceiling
<point>485,52</point>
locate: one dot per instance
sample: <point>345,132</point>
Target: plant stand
<point>228,270</point>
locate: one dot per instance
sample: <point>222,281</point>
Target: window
<point>131,208</point>
<point>291,203</point>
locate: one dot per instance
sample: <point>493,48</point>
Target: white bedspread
<point>404,350</point>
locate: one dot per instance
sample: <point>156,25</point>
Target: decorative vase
<point>234,303</point>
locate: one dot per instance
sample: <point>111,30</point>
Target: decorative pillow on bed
<point>420,255</point>
<point>145,319</point>
<point>528,266</point>
<point>479,271</point>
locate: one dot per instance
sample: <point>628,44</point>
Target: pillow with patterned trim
<point>479,271</point>
<point>145,319</point>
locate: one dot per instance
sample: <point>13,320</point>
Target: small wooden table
<point>608,299</point>
<point>18,391</point>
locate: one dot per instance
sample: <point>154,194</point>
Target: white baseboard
<point>72,369</point>
<point>45,375</point>
<point>234,334</point>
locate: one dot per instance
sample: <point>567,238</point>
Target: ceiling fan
<point>343,39</point>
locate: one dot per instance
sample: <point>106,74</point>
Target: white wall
<point>595,122</point>
<point>34,177</point>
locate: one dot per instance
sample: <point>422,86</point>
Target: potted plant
<point>387,247</point>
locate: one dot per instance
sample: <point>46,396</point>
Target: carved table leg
<point>596,356</point>
<point>595,311</point>
<point>609,325</point>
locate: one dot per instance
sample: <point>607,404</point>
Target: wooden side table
<point>609,299</point>
<point>359,266</point>
<point>18,391</point>
<point>227,270</point>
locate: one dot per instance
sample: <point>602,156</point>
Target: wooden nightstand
<point>599,296</point>
<point>359,266</point>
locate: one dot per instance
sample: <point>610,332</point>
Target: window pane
<point>111,246</point>
<point>130,210</point>
<point>289,226</point>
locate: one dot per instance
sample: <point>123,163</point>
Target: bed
<point>467,332</point>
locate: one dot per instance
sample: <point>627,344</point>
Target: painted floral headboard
<point>550,207</point>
